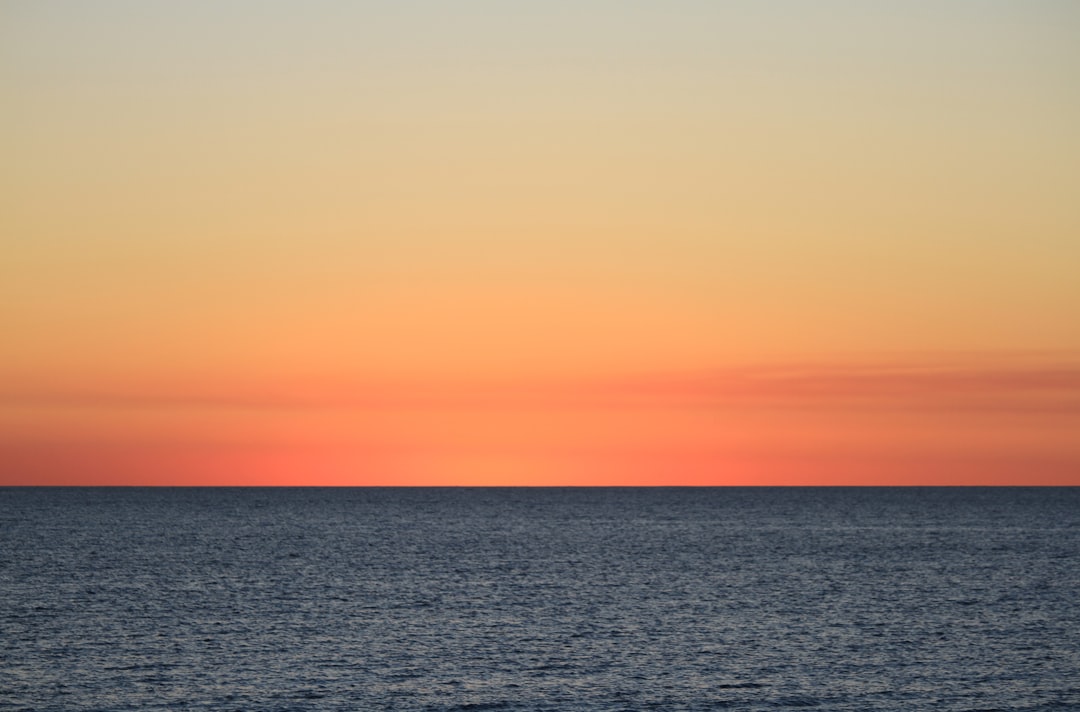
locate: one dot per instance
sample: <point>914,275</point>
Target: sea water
<point>540,599</point>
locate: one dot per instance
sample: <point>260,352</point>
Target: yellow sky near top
<point>414,189</point>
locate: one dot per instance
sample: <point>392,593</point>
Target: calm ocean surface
<point>540,599</point>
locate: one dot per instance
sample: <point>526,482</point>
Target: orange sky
<point>539,243</point>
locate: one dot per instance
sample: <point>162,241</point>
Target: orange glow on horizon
<point>809,425</point>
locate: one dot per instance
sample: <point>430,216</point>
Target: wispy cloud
<point>974,384</point>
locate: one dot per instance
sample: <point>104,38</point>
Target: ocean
<point>540,599</point>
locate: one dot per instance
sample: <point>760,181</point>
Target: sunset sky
<point>433,242</point>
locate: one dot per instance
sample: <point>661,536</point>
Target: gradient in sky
<point>589,242</point>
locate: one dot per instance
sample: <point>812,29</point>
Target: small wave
<point>796,701</point>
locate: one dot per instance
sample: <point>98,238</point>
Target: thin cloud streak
<point>1051,387</point>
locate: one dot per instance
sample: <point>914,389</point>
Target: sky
<point>596,242</point>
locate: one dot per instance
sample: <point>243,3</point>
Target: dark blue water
<point>540,599</point>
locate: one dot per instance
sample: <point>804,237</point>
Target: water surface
<point>540,599</point>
